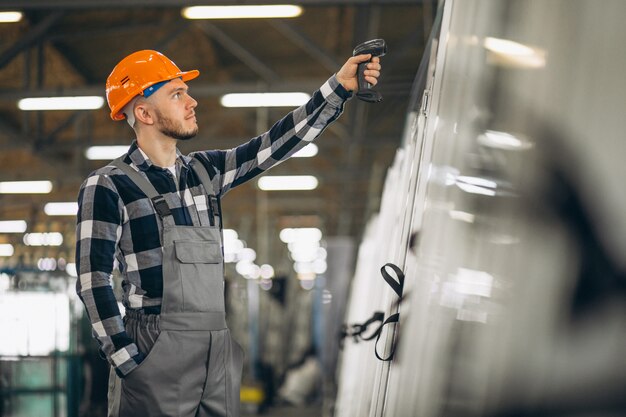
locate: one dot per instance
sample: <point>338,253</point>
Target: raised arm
<point>290,134</point>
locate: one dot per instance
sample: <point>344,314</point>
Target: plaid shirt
<point>116,220</point>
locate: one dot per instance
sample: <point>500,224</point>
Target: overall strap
<point>215,209</point>
<point>158,201</point>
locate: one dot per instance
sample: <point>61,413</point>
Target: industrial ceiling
<point>68,47</point>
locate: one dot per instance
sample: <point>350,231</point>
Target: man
<point>158,213</point>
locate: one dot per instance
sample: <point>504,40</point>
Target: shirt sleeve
<point>290,134</point>
<point>99,227</point>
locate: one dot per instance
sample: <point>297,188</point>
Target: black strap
<point>160,205</point>
<point>357,330</point>
<point>394,318</point>
<point>397,286</point>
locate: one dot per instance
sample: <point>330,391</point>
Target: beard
<point>174,130</point>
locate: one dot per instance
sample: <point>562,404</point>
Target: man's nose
<point>192,102</point>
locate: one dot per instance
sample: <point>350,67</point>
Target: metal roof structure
<point>68,47</point>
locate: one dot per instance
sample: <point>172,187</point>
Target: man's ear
<point>144,112</point>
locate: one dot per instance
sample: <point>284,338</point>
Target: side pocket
<point>150,353</point>
<point>145,390</point>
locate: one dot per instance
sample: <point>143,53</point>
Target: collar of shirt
<point>144,163</point>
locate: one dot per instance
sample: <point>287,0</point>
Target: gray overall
<point>193,366</point>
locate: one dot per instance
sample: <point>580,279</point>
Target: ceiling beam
<point>241,53</point>
<point>36,33</point>
<point>108,4</point>
<point>296,36</point>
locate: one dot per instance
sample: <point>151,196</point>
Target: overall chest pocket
<point>200,271</point>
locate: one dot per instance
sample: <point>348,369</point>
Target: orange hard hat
<point>138,71</point>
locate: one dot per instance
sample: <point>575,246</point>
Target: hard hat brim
<point>184,75</point>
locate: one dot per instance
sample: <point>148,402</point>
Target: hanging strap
<point>356,331</point>
<point>398,288</point>
<point>394,318</point>
<point>215,208</point>
<point>160,205</point>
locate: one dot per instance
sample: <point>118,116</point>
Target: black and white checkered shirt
<point>116,220</point>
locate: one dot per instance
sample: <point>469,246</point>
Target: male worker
<point>158,213</point>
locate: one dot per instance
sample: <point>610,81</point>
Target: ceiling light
<point>241,12</point>
<point>287,182</point>
<point>10,17</point>
<point>102,153</point>
<point>43,239</point>
<point>264,99</point>
<point>6,249</point>
<point>12,226</point>
<point>61,103</point>
<point>61,209</point>
<point>25,187</point>
<point>308,151</point>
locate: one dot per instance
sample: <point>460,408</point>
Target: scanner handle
<point>376,47</point>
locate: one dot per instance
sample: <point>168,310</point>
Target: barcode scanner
<point>376,47</point>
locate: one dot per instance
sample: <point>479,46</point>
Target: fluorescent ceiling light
<point>242,12</point>
<point>61,103</point>
<point>10,17</point>
<point>61,209</point>
<point>264,99</point>
<point>43,239</point>
<point>95,153</point>
<point>25,187</point>
<point>6,249</point>
<point>287,182</point>
<point>12,226</point>
<point>308,151</point>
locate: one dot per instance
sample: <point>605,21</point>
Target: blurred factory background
<point>490,178</point>
<point>50,365</point>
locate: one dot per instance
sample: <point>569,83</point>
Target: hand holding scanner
<point>376,47</point>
